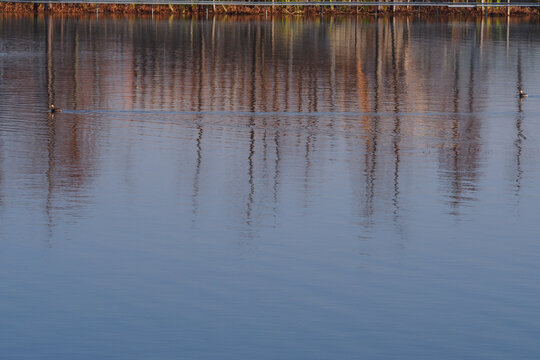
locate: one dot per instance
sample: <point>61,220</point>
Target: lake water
<point>269,188</point>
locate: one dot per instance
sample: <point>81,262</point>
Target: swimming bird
<point>55,110</point>
<point>522,95</point>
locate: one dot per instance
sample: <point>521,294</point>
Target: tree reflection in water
<point>288,91</point>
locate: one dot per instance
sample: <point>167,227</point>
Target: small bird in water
<point>54,110</point>
<point>522,95</point>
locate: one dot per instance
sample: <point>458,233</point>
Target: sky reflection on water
<point>291,188</point>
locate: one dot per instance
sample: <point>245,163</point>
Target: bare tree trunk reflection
<point>51,122</point>
<point>396,132</point>
<point>252,107</point>
<point>197,174</point>
<point>371,143</point>
<point>518,143</point>
<point>200,131</point>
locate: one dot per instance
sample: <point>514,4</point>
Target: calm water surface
<point>250,188</point>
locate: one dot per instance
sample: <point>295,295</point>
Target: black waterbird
<point>54,110</point>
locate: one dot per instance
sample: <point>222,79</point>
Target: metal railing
<point>287,3</point>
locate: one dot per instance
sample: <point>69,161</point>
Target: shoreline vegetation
<point>140,9</point>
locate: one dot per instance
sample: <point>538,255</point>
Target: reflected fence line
<point>291,3</point>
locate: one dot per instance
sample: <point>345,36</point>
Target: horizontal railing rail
<point>285,3</point>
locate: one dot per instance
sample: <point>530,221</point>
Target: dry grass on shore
<point>132,9</point>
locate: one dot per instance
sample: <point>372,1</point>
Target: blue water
<point>240,188</point>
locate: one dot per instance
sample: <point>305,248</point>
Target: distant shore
<point>135,9</point>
